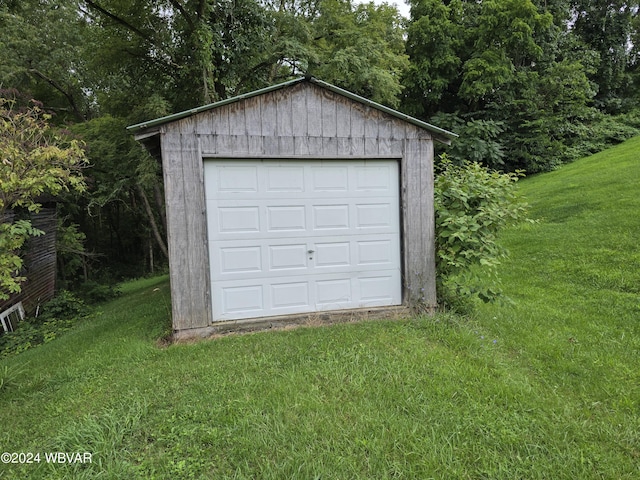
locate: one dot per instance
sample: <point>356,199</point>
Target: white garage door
<point>292,237</point>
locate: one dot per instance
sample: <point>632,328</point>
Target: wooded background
<point>528,84</point>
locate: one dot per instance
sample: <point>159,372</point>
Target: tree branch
<point>180,8</point>
<point>59,87</point>
<point>130,27</point>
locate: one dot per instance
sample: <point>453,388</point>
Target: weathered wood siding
<point>39,263</point>
<point>302,121</point>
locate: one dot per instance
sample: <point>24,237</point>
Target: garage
<point>296,200</point>
<point>293,237</point>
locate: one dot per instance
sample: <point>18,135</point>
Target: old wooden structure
<point>295,199</point>
<point>39,262</point>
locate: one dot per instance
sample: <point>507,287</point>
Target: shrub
<point>472,204</point>
<point>65,305</point>
<point>56,317</point>
<point>94,292</point>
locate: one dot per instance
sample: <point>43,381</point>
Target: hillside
<point>545,385</point>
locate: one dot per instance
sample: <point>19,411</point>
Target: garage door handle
<point>310,251</point>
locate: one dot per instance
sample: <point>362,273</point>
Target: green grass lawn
<point>546,386</point>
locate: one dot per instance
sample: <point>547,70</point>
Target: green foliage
<point>70,250</point>
<point>112,216</point>
<point>520,65</point>
<point>57,316</point>
<point>360,49</point>
<point>434,41</point>
<point>479,141</point>
<point>34,161</point>
<point>94,292</point>
<point>472,206</point>
<point>65,305</point>
<point>13,236</point>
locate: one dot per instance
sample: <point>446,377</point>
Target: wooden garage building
<point>295,199</point>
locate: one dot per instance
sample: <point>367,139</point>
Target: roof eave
<point>147,129</point>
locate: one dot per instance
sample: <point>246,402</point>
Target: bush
<point>472,204</point>
<point>65,305</point>
<point>56,317</point>
<point>94,292</point>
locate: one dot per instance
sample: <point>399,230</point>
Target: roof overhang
<point>146,132</point>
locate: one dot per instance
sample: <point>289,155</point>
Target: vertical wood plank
<point>315,146</point>
<point>314,109</point>
<point>283,114</point>
<point>271,145</point>
<point>357,146</point>
<point>328,114</point>
<point>358,116</point>
<point>203,125</point>
<point>299,112</point>
<point>344,146</point>
<point>413,243</point>
<point>196,270</point>
<point>330,146</point>
<point>268,116</point>
<point>224,144</point>
<point>237,120</point>
<point>343,117</point>
<point>220,120</point>
<point>208,144</point>
<point>285,145</point>
<point>252,109</point>
<point>176,226</point>
<point>301,145</point>
<point>384,135</point>
<point>371,146</point>
<point>428,223</point>
<point>398,129</point>
<point>253,113</point>
<point>371,124</point>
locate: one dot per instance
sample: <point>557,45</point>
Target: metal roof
<point>440,134</point>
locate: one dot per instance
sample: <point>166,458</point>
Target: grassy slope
<point>545,388</point>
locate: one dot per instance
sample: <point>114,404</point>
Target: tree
<point>34,161</point>
<point>359,48</point>
<point>41,51</point>
<point>607,27</point>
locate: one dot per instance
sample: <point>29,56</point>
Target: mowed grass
<point>544,387</point>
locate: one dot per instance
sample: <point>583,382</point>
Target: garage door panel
<point>290,295</point>
<point>236,178</point>
<point>315,236</point>
<point>286,217</point>
<point>375,252</point>
<point>284,179</point>
<point>378,290</point>
<point>374,178</point>
<point>331,254</point>
<point>330,217</point>
<point>240,300</point>
<point>329,177</point>
<point>334,293</point>
<point>238,219</point>
<point>240,260</point>
<point>284,258</point>
<point>374,215</point>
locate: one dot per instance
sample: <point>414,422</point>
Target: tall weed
<point>473,204</point>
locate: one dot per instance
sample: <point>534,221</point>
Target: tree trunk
<point>152,222</point>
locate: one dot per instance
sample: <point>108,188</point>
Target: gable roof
<point>142,129</point>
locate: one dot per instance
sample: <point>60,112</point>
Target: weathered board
<point>39,262</point>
